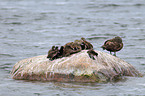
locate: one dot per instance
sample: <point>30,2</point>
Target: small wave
<point>80,18</point>
<point>143,64</point>
<point>141,39</point>
<point>48,12</point>
<point>138,39</point>
<point>138,5</point>
<point>111,5</point>
<point>129,45</point>
<point>139,57</point>
<point>122,5</point>
<point>6,55</point>
<point>17,16</point>
<point>103,35</point>
<point>121,25</point>
<point>107,34</point>
<point>38,94</point>
<point>114,5</point>
<point>15,23</point>
<point>124,25</point>
<point>97,37</point>
<point>6,67</point>
<point>102,5</point>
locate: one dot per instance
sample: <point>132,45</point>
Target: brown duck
<point>71,48</point>
<point>60,53</point>
<point>86,44</point>
<point>52,53</point>
<point>113,45</point>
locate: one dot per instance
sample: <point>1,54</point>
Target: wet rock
<point>77,67</point>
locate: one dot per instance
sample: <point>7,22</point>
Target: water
<point>30,28</point>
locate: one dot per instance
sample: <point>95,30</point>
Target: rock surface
<point>78,67</point>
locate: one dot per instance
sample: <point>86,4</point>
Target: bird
<point>92,53</point>
<point>52,53</point>
<point>86,44</point>
<point>71,48</point>
<point>113,45</point>
<point>60,53</point>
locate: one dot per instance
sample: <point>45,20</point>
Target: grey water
<point>30,28</point>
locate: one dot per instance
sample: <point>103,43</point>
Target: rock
<point>77,67</point>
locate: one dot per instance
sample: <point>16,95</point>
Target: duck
<point>113,45</point>
<point>85,44</point>
<point>52,53</point>
<point>60,53</point>
<point>71,48</point>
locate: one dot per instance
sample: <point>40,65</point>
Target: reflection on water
<point>30,28</point>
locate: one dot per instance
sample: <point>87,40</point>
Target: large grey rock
<point>78,67</point>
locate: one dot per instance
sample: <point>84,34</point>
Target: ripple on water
<point>89,86</point>
<point>139,5</point>
<point>17,15</point>
<point>96,5</point>
<point>14,23</point>
<point>6,55</point>
<point>97,37</point>
<point>6,67</point>
<point>101,36</point>
<point>139,57</point>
